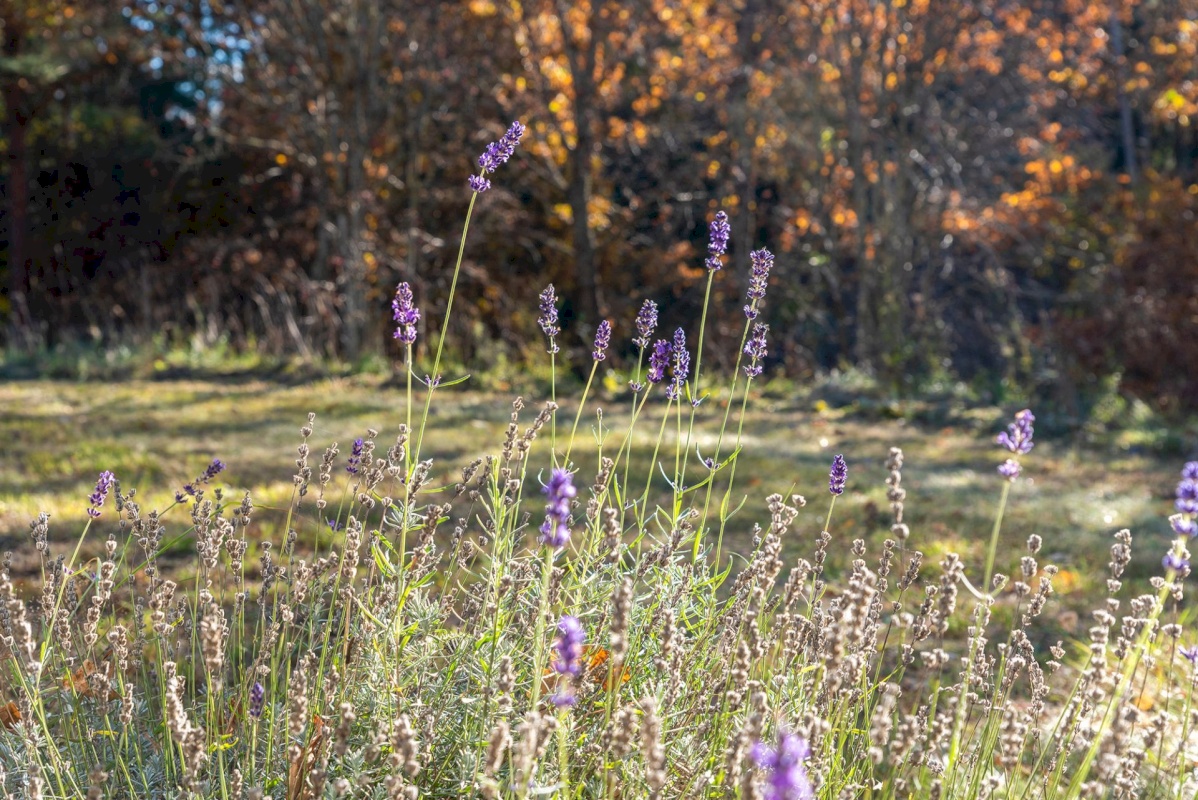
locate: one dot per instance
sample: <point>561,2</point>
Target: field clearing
<point>55,437</point>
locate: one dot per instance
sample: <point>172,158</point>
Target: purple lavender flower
<point>1174,562</point>
<point>496,154</point>
<point>555,531</point>
<point>602,340</point>
<point>405,314</point>
<point>1190,654</point>
<point>838,475</point>
<point>548,318</point>
<point>787,776</point>
<point>333,524</point>
<point>1010,469</point>
<point>646,323</point>
<point>1190,471</point>
<point>659,361</point>
<point>211,471</point>
<point>355,458</point>
<point>568,647</point>
<point>755,349</point>
<point>763,261</point>
<point>680,365</point>
<point>1018,436</point>
<point>257,699</point>
<point>567,658</point>
<point>1187,495</point>
<point>717,243</point>
<point>97,498</point>
<point>1183,525</point>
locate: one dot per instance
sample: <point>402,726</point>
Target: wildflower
<point>659,360</point>
<point>755,349</point>
<point>646,322</point>
<point>257,699</point>
<point>497,153</point>
<point>602,341</point>
<point>717,243</point>
<point>680,365</point>
<point>555,531</point>
<point>787,776</point>
<point>1187,489</point>
<point>1009,469</point>
<point>405,314</point>
<point>1183,526</point>
<point>333,524</point>
<point>568,656</point>
<point>1018,436</point>
<point>211,471</point>
<point>548,318</point>
<point>97,498</point>
<point>838,475</point>
<point>763,261</point>
<point>355,458</point>
<point>1190,654</point>
<point>1174,562</point>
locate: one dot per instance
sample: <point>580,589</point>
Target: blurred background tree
<point>997,192</point>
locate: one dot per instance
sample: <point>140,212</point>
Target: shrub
<point>459,641</point>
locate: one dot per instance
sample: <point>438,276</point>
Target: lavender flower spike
<point>555,531</point>
<point>568,658</point>
<point>1173,561</point>
<point>1018,436</point>
<point>659,361</point>
<point>355,457</point>
<point>838,475</point>
<point>548,318</point>
<point>763,261</point>
<point>405,314</point>
<point>680,365</point>
<point>1010,469</point>
<point>569,646</point>
<point>1190,654</point>
<point>1187,490</point>
<point>257,699</point>
<point>787,776</point>
<point>717,243</point>
<point>97,498</point>
<point>497,153</point>
<point>646,323</point>
<point>755,349</point>
<point>602,340</point>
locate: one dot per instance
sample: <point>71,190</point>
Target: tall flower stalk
<point>495,155</point>
<point>598,354</point>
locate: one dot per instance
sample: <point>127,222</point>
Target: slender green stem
<point>577,416</point>
<point>653,466</point>
<point>695,379</point>
<point>553,397</point>
<point>993,549</point>
<point>434,377</point>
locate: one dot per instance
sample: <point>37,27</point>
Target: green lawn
<point>55,437</point>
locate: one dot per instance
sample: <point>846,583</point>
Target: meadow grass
<point>635,594</point>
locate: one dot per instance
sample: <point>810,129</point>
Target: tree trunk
<point>1126,130</point>
<point>15,130</point>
